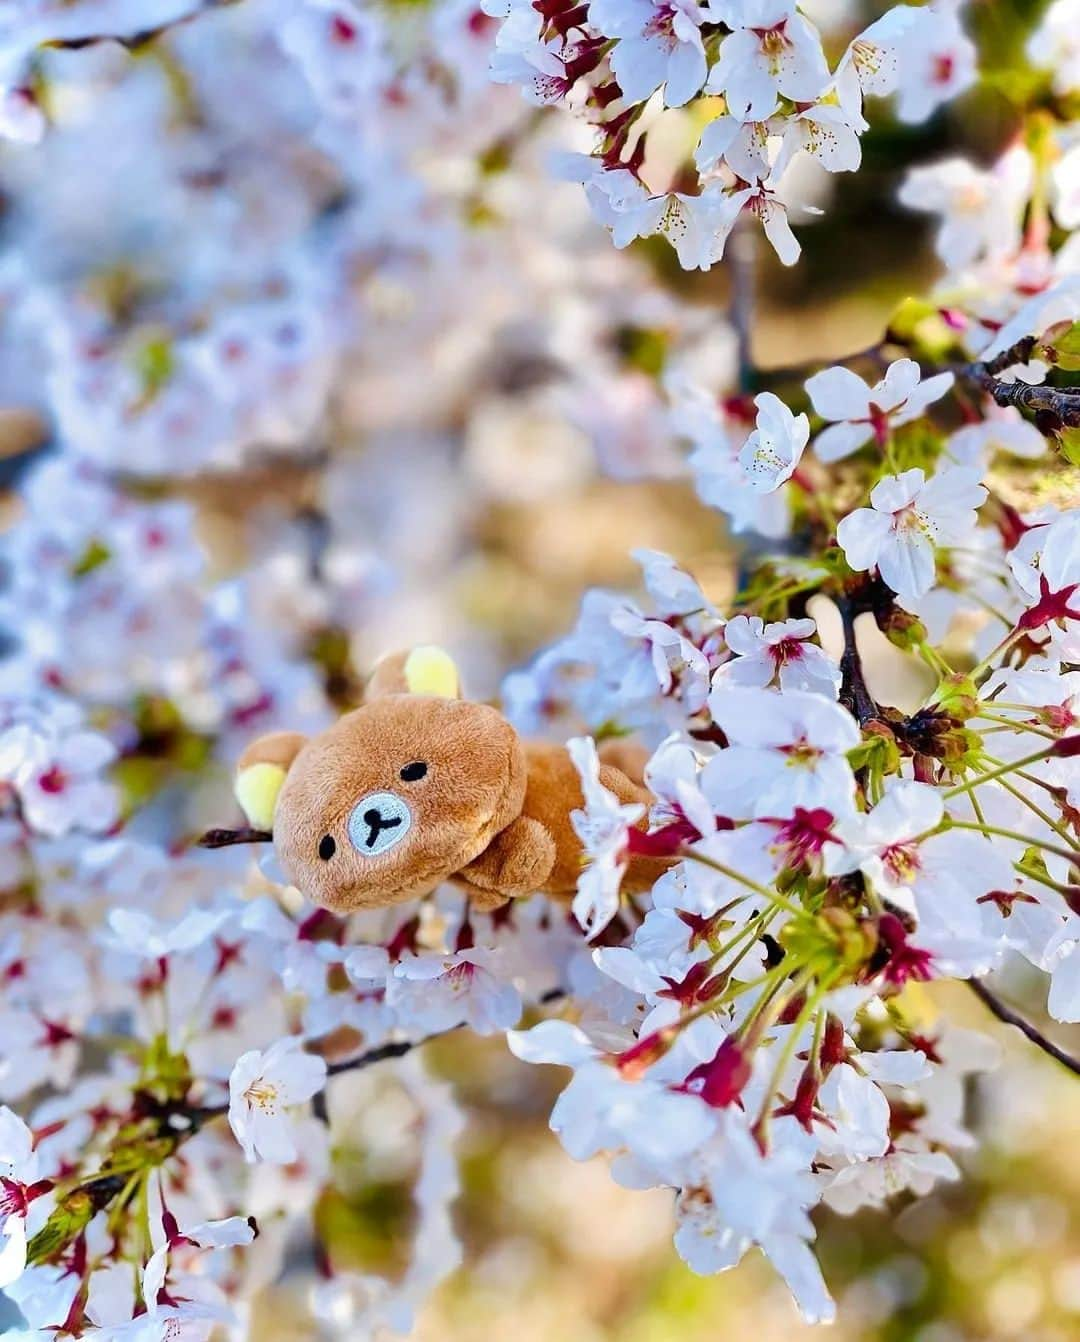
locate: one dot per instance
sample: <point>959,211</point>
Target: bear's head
<point>394,798</point>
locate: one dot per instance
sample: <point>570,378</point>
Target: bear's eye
<point>327,847</point>
<point>412,773</point>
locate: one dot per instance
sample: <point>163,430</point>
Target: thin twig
<point>1005,1013</point>
<point>383,1052</point>
<point>139,37</point>
<point>225,838</point>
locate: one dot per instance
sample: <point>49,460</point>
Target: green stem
<point>810,1006</point>
<point>1018,726</point>
<point>1025,839</point>
<point>996,773</point>
<point>1048,820</point>
<point>1061,889</point>
<point>773,896</point>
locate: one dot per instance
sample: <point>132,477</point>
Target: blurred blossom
<point>319,335</point>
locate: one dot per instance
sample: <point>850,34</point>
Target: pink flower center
<point>773,40</point>
<point>787,650</point>
<point>801,754</point>
<point>662,26</point>
<point>342,31</point>
<point>805,834</point>
<point>908,519</point>
<point>902,862</point>
<point>13,1199</point>
<point>53,781</point>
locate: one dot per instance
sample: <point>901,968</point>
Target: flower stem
<point>773,896</point>
<point>997,773</point>
<point>810,1006</point>
<point>1026,839</point>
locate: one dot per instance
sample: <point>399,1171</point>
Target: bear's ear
<point>424,670</point>
<point>260,773</point>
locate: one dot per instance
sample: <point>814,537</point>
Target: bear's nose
<point>378,821</point>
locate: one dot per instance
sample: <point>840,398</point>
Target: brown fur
<point>492,813</point>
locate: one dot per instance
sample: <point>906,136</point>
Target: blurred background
<point>463,428</point>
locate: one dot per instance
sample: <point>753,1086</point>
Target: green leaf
<point>1063,346</point>
<point>67,1221</point>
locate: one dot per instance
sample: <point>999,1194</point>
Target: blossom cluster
<point>833,845</point>
<point>201,288</point>
<point>754,86</point>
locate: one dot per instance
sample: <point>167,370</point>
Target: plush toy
<point>419,786</point>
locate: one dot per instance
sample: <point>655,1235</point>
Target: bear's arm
<point>516,862</point>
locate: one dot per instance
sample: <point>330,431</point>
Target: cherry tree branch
<point>141,36</point>
<point>1005,1013</point>
<point>1062,403</point>
<point>383,1053</point>
<point>225,838</point>
<point>854,694</point>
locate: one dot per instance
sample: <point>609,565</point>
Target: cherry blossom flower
<point>1003,430</point>
<point>784,751</point>
<point>697,226</point>
<point>772,451</point>
<point>262,1087</point>
<point>827,133</point>
<point>943,879</point>
<point>432,993</point>
<point>861,413</point>
<point>170,1287</point>
<point>778,651</point>
<point>772,51</point>
<point>742,145</point>
<point>718,473</point>
<point>981,212</point>
<point>772,212</point>
<point>55,768</point>
<point>909,517</point>
<point>659,43</point>
<point>602,829</point>
<point>937,61</point>
<point>750,1197</point>
<point>871,63</point>
<point>20,1186</point>
<point>600,1111</point>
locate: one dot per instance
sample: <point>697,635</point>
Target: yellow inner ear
<point>431,670</point>
<point>256,789</point>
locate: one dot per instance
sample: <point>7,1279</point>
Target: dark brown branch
<point>854,694</point>
<point>225,838</point>
<point>1005,1013</point>
<point>382,1053</point>
<point>1062,403</point>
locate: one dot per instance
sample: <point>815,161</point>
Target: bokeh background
<point>493,442</point>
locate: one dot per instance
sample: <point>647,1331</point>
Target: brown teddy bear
<point>419,786</point>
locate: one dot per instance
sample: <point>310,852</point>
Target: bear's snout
<point>378,822</point>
